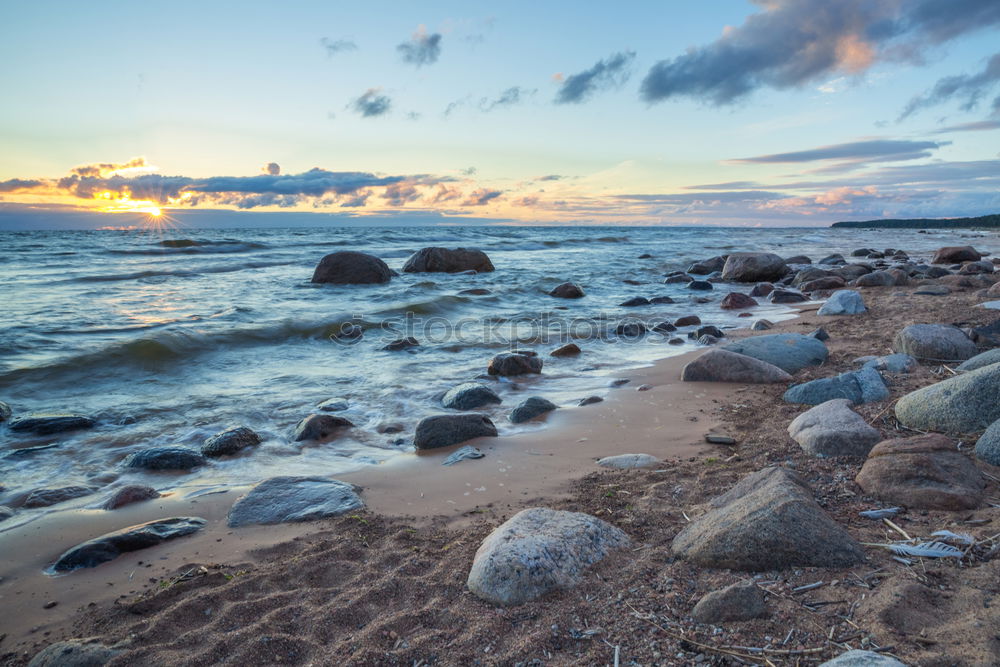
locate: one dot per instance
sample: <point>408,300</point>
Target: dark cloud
<point>969,88</point>
<point>401,193</point>
<point>16,184</point>
<point>873,150</point>
<point>357,200</point>
<point>422,49</point>
<point>610,72</point>
<point>335,46</point>
<point>481,197</point>
<point>272,168</point>
<point>371,104</point>
<point>108,168</point>
<point>977,126</point>
<point>793,42</point>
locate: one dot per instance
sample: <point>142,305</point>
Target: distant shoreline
<point>980,222</point>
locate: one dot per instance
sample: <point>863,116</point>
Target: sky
<point>771,112</point>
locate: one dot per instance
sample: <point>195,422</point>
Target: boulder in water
<point>230,441</point>
<point>737,301</point>
<point>514,363</point>
<point>319,427</point>
<point>348,267</point>
<point>448,260</point>
<point>401,344</point>
<point>567,350</point>
<point>567,291</point>
<point>530,408</point>
<point>47,424</point>
<point>751,267</point>
<point>956,254</point>
<point>446,430</point>
<point>126,495</point>
<point>54,496</point>
<point>469,396</point>
<point>165,458</point>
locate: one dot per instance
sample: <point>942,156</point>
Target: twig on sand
<point>808,587</point>
<point>896,528</point>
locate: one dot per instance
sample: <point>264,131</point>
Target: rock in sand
<point>722,365</point>
<point>111,545</point>
<point>74,653</point>
<point>739,602</point>
<point>737,301</point>
<point>539,550</point>
<point>469,396</point>
<point>982,359</point>
<point>446,430</point>
<point>126,495</point>
<point>962,404</point>
<point>844,302</point>
<point>625,461</point>
<point>988,445</point>
<point>788,351</point>
<point>530,408</point>
<point>833,429</point>
<point>862,386</point>
<point>934,342</point>
<point>925,472</point>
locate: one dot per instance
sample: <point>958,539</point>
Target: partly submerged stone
<point>349,267</point>
<point>126,495</point>
<point>47,424</point>
<point>539,550</point>
<point>862,386</point>
<point>739,602</point>
<point>844,302</point>
<point>925,471</point>
<point>446,430</point>
<point>54,496</point>
<point>567,350</point>
<point>629,461</point>
<point>934,342</point>
<point>165,458</point>
<point>230,441</point>
<point>514,363</point>
<point>567,291</point>
<point>288,499</point>
<point>788,351</point>
<point>530,408</point>
<point>469,396</point>
<point>767,521</point>
<point>320,427</point>
<point>751,267</point>
<point>962,404</point>
<point>448,260</point>
<point>833,429</point>
<point>721,365</point>
<point>111,545</point>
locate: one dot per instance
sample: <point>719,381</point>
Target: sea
<point>169,336</point>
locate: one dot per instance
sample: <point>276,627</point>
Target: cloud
<point>608,73</point>
<point>422,49</point>
<point>271,168</point>
<point>104,169</point>
<point>481,197</point>
<point>977,126</point>
<point>468,171</point>
<point>969,87</point>
<point>790,43</point>
<point>371,104</point>
<point>872,150</point>
<point>358,200</point>
<point>507,98</point>
<point>551,177</point>
<point>400,193</point>
<point>20,185</point>
<point>335,46</point>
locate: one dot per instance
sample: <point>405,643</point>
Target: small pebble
<point>719,439</point>
<point>49,604</point>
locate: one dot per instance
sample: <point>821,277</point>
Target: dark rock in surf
<point>751,267</point>
<point>469,396</point>
<point>514,363</point>
<point>530,408</point>
<point>401,344</point>
<point>567,291</point>
<point>126,495</point>
<point>446,430</point>
<point>5,412</point>
<point>108,547</point>
<point>567,350</point>
<point>687,321</point>
<point>737,301</point>
<point>47,424</point>
<point>54,496</point>
<point>630,329</point>
<point>348,267</point>
<point>165,458</point>
<point>319,427</point>
<point>230,441</point>
<point>448,260</point>
<point>955,254</point>
<point>291,499</point>
<point>702,285</point>
<point>635,301</point>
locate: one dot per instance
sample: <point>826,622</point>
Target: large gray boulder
<point>446,430</point>
<point>230,441</point>
<point>567,291</point>
<point>288,499</point>
<point>875,279</point>
<point>788,351</point>
<point>962,404</point>
<point>539,550</point>
<point>982,359</point>
<point>752,267</point>
<point>320,427</point>
<point>925,472</point>
<point>47,424</point>
<point>74,653</point>
<point>111,545</point>
<point>469,396</point>
<point>721,365</point>
<point>448,260</point>
<point>934,342</point>
<point>767,521</point>
<point>859,658</point>
<point>833,429</point>
<point>844,302</point>
<point>530,408</point>
<point>862,386</point>
<point>956,254</point>
<point>988,445</point>
<point>348,267</point>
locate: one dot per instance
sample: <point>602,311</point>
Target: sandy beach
<point>386,585</point>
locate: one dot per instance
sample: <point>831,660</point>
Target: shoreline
<point>548,467</point>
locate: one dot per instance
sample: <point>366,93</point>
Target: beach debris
<point>289,499</point>
<point>880,513</point>
<point>715,439</point>
<point>461,454</point>
<point>954,538</point>
<point>539,550</point>
<point>932,549</point>
<point>5,411</point>
<point>111,545</point>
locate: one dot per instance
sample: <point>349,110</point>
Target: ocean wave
<point>179,273</point>
<point>188,247</point>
